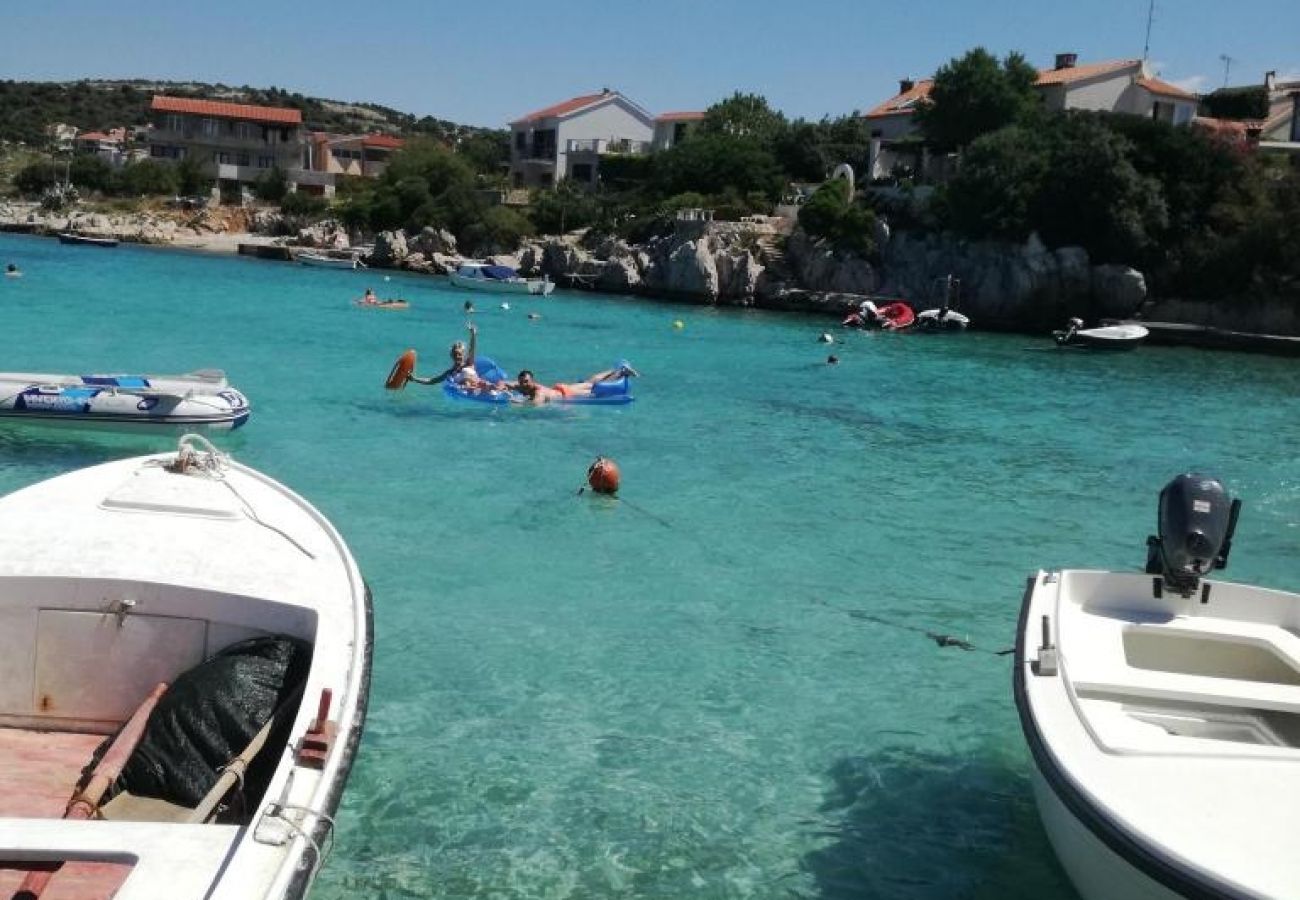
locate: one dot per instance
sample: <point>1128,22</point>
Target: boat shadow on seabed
<point>918,825</point>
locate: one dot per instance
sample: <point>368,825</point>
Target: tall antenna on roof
<point>1151,17</point>
<point>1227,66</point>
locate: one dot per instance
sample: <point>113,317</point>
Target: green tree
<point>744,116</point>
<point>90,172</point>
<point>994,194</point>
<point>974,95</point>
<point>271,185</point>
<point>563,209</point>
<point>190,179</point>
<point>303,205</point>
<point>830,213</point>
<point>496,230</point>
<point>34,178</point>
<point>486,151</point>
<point>147,177</point>
<point>1094,196</point>
<point>712,163</point>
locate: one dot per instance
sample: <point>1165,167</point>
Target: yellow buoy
<point>678,324</point>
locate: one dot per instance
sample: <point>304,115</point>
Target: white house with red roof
<point>671,128</point>
<point>568,139</point>
<point>1118,86</point>
<point>235,143</point>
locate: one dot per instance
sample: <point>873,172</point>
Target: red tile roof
<point>562,109</point>
<point>383,141</point>
<point>904,103</point>
<point>95,136</point>
<point>1080,73</point>
<point>220,110</point>
<point>1165,89</point>
<point>680,117</point>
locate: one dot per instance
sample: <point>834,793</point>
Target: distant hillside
<point>27,107</point>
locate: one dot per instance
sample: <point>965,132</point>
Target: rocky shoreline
<point>759,263</point>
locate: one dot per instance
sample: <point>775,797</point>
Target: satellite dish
<point>845,171</point>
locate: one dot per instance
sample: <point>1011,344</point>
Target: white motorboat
<point>131,403</point>
<point>326,261</point>
<point>477,276</point>
<point>1162,711</point>
<point>69,237</point>
<point>944,317</point>
<point>1104,337</point>
<point>181,605</point>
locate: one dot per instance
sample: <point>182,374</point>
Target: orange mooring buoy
<point>603,476</point>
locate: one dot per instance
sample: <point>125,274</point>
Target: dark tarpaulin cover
<point>502,273</point>
<point>208,716</point>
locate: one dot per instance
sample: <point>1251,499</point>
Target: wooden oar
<point>85,802</point>
<point>233,771</point>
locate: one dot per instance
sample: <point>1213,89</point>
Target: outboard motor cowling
<point>1195,522</point>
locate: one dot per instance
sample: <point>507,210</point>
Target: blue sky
<point>484,64</point>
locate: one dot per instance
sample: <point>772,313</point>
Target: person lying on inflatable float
<point>534,394</point>
<point>462,364</point>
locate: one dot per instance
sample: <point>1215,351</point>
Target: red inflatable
<point>894,316</point>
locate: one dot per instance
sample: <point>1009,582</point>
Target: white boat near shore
<point>476,276</point>
<point>202,400</point>
<point>1162,711</point>
<point>128,591</point>
<point>1103,337</point>
<point>68,237</point>
<point>325,261</point>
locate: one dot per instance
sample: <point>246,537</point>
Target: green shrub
<point>303,205</point>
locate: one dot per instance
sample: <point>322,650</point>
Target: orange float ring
<point>402,370</point>
<point>603,476</point>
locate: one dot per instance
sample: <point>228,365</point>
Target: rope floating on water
<point>942,640</point>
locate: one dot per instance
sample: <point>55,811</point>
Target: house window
<point>582,172</point>
<point>521,140</point>
<point>224,158</point>
<point>173,122</point>
<point>265,162</point>
<point>1162,112</point>
<point>209,127</point>
<point>242,159</point>
<point>246,131</point>
<point>679,133</point>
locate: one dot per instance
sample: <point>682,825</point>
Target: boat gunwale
<point>1147,859</point>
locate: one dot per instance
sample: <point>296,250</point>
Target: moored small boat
<point>68,237</point>
<point>477,276</point>
<point>1162,712</point>
<point>131,403</point>
<point>1103,337</point>
<point>944,318</point>
<point>326,261</point>
<point>198,638</point>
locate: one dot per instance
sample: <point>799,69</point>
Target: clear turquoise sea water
<point>692,691</point>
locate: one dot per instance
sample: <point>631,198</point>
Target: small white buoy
<point>505,305</point>
<point>826,338</point>
<point>388,278</point>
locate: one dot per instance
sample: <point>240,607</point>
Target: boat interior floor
<point>39,771</point>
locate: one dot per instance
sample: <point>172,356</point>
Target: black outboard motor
<point>1196,522</point>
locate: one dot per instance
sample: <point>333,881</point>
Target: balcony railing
<point>602,146</point>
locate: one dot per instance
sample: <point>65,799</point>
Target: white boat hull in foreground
<point>126,403</point>
<point>1165,733</point>
<point>121,576</point>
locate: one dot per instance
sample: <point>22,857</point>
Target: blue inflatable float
<point>605,393</point>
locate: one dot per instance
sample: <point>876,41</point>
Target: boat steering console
<point>1196,521</point>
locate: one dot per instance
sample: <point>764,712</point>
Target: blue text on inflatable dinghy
<point>133,403</point>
